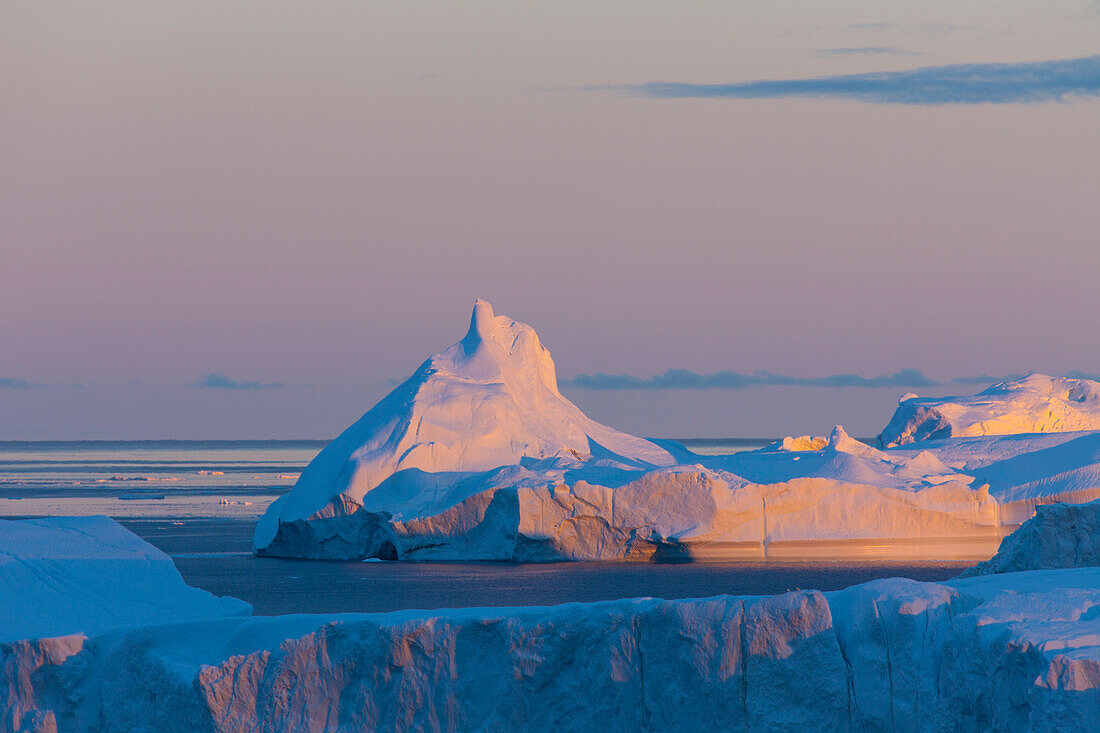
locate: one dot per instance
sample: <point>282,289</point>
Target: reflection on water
<point>276,586</point>
<point>215,555</point>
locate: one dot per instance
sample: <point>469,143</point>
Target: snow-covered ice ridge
<point>1035,404</point>
<point>1015,651</point>
<point>479,456</point>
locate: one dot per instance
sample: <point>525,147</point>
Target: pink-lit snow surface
<point>478,456</point>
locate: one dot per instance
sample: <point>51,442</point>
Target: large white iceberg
<point>490,400</point>
<point>1035,404</point>
<point>478,456</point>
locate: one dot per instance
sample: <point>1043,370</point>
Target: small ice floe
<point>14,498</point>
<point>138,497</point>
<point>373,559</point>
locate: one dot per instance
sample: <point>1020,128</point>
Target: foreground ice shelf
<point>478,456</point>
<point>1012,651</point>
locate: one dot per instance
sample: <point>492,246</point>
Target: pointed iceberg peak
<point>481,325</point>
<point>499,349</point>
<point>488,401</point>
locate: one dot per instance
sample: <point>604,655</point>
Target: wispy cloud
<point>924,29</point>
<point>217,380</point>
<point>985,379</point>
<point>868,51</point>
<point>675,379</point>
<point>10,383</point>
<point>1033,81</point>
<point>684,379</point>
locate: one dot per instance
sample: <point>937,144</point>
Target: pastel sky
<point>245,219</point>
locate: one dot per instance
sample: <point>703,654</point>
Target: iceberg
<point>1023,471</point>
<point>478,456</point>
<point>1058,536</point>
<point>799,443</point>
<point>1035,404</point>
<point>84,575</point>
<point>491,400</point>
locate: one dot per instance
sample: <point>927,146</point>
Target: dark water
<point>215,555</point>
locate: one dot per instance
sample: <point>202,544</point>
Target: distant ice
<point>1036,403</point>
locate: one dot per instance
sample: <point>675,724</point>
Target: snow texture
<point>1019,651</point>
<point>1035,404</point>
<point>70,575</point>
<point>1058,536</point>
<point>478,457</point>
<point>1010,651</point>
<point>1023,471</point>
<point>490,400</point>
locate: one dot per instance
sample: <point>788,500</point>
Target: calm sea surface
<point>111,468</point>
<point>198,500</point>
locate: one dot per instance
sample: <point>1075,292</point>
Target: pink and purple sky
<point>244,220</point>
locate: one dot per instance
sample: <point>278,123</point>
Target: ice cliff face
<point>1009,652</point>
<point>1013,651</point>
<point>1058,536</point>
<point>1035,404</point>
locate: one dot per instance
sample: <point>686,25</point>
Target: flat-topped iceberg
<point>478,456</point>
<point>1035,404</point>
<point>70,575</point>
